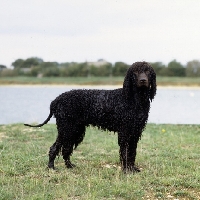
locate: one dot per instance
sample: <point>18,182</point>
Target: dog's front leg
<point>127,153</point>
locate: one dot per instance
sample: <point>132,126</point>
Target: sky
<point>88,30</point>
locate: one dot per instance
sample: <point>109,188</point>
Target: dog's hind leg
<point>53,152</point>
<point>67,151</point>
<point>67,129</point>
<point>73,137</point>
<point>60,143</point>
<point>80,134</point>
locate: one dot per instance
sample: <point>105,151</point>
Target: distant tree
<point>63,68</point>
<point>120,69</point>
<point>44,65</point>
<point>28,63</point>
<point>92,70</point>
<point>102,70</point>
<point>51,71</point>
<point>47,69</point>
<point>2,67</point>
<point>158,67</point>
<point>64,65</point>
<point>176,69</point>
<point>82,69</point>
<point>18,63</point>
<point>165,72</point>
<point>31,62</point>
<point>35,71</point>
<point>106,70</point>
<point>193,68</point>
<point>76,70</point>
<point>72,70</point>
<point>63,72</point>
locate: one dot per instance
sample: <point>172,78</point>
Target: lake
<point>28,104</point>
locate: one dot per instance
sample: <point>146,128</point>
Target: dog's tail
<point>45,122</point>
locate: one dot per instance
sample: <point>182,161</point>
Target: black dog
<point>124,110</point>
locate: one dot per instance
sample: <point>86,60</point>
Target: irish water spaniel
<point>124,110</point>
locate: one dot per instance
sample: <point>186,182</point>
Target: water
<point>28,104</point>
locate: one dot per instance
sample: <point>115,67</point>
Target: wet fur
<point>124,110</point>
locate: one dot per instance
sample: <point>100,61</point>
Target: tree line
<point>36,67</point>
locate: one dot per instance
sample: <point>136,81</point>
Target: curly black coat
<point>124,110</point>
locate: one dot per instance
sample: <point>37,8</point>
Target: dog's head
<point>140,76</point>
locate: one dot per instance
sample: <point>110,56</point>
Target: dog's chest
<point>141,115</point>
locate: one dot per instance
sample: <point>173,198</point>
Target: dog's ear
<point>153,86</point>
<point>129,84</point>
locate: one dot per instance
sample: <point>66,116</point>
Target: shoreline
<point>76,86</point>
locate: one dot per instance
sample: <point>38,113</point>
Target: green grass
<point>62,80</point>
<point>161,81</point>
<point>178,81</point>
<point>168,155</point>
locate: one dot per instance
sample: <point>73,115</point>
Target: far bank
<point>96,81</point>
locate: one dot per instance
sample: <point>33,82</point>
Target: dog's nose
<point>143,80</point>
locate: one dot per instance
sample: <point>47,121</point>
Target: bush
<point>8,73</point>
<point>193,68</point>
<point>103,70</point>
<point>176,69</point>
<point>120,69</point>
<point>51,72</point>
<point>159,68</point>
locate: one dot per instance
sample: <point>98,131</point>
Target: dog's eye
<point>135,74</point>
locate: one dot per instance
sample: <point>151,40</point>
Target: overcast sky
<point>87,30</point>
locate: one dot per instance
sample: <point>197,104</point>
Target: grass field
<point>168,155</point>
<point>161,81</point>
